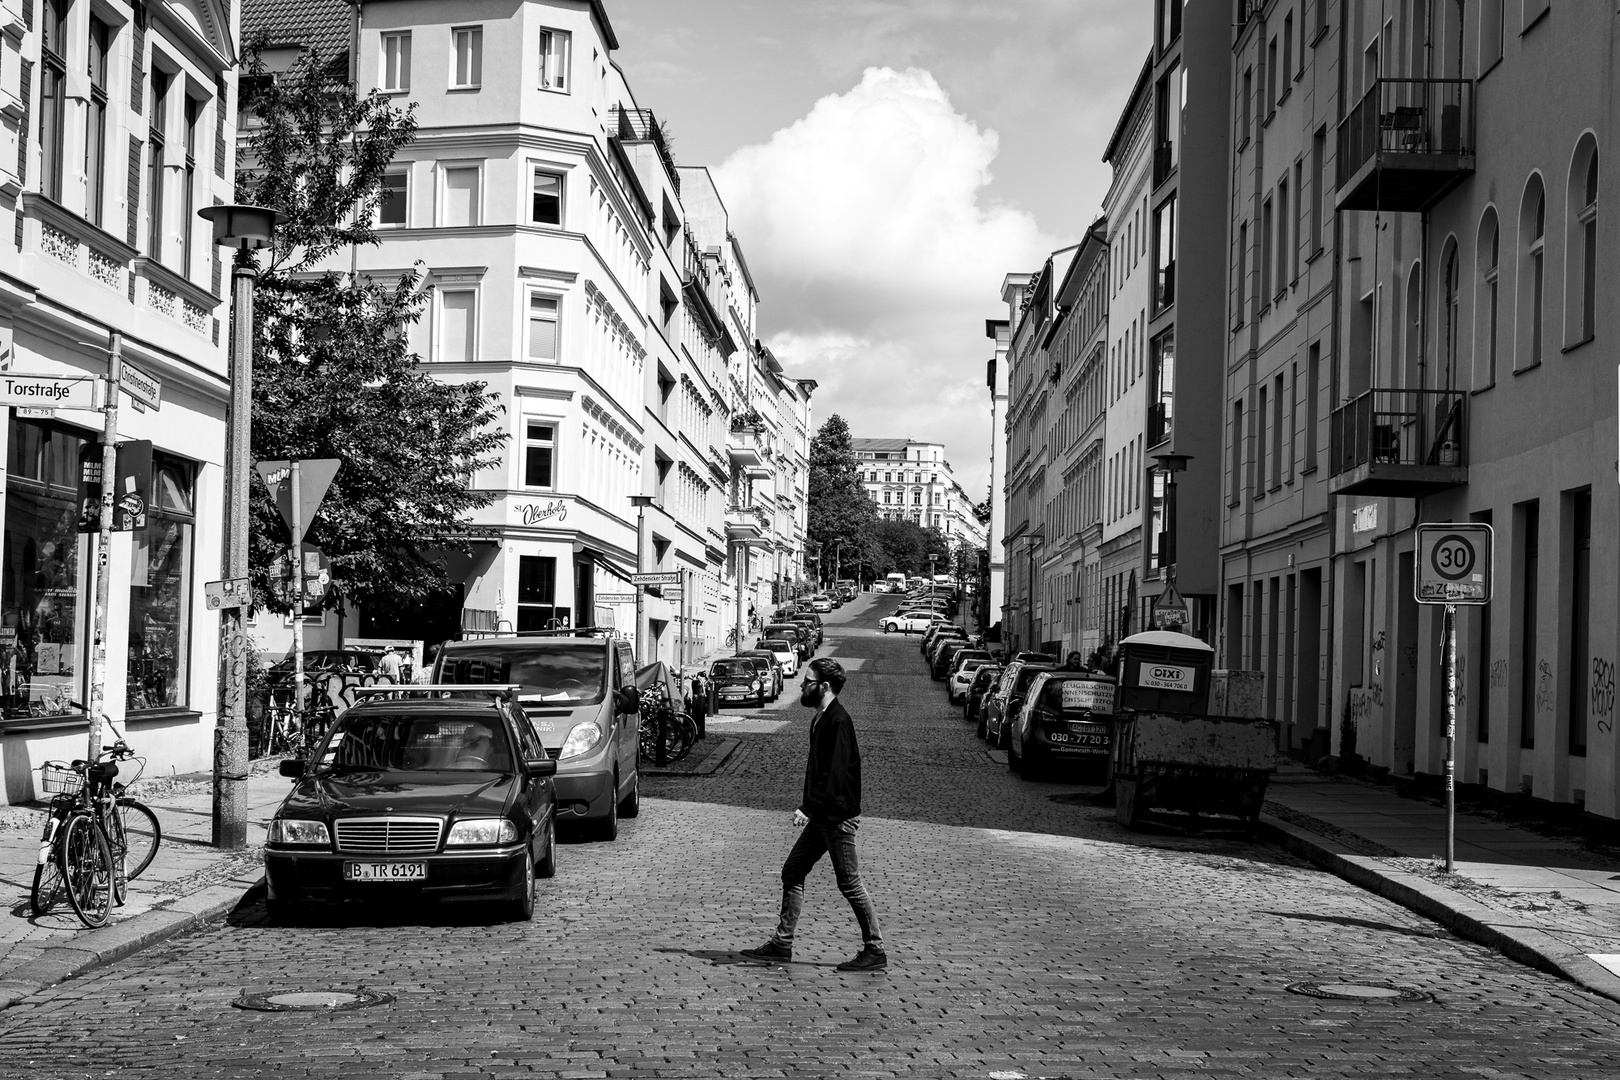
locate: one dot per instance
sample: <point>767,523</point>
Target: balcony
<point>749,525</point>
<point>640,125</point>
<point>1401,444</point>
<point>1406,144</point>
<point>746,448</point>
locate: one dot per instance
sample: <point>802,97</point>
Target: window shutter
<point>221,103</point>
<point>137,70</point>
<point>26,77</point>
<point>134,190</point>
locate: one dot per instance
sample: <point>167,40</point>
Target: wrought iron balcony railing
<point>1406,143</point>
<point>1401,443</point>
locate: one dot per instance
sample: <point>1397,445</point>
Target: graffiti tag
<point>1603,693</point>
<point>1544,687</point>
<point>1499,674</point>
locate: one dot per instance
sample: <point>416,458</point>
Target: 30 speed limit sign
<point>1454,563</point>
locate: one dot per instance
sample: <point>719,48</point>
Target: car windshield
<point>559,672</point>
<point>417,742</point>
<point>1027,676</point>
<point>776,645</point>
<point>732,669</point>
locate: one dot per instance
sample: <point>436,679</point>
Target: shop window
<point>537,595</point>
<point>42,619</point>
<point>160,592</point>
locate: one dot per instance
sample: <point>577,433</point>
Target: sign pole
<point>297,556</point>
<point>109,473</point>
<point>1450,634</point>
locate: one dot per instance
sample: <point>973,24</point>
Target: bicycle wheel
<point>48,884</point>
<point>112,829</point>
<point>142,834</point>
<point>684,735</point>
<point>87,867</point>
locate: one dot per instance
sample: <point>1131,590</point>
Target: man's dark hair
<point>829,671</point>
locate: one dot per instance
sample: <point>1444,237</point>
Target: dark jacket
<point>832,776</point>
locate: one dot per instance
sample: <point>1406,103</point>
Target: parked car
<point>769,669</point>
<point>789,632</point>
<point>1004,708</point>
<point>814,622</point>
<point>963,667</point>
<point>820,604</point>
<point>908,622</point>
<point>1050,730</point>
<point>938,630</point>
<point>475,818</point>
<point>939,668</point>
<point>786,653</point>
<point>578,689</point>
<point>322,662</point>
<point>984,681</point>
<point>735,680</point>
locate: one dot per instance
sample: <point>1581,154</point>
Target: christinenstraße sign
<point>48,391</point>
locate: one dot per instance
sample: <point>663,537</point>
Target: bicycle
<point>679,729</point>
<point>96,838</point>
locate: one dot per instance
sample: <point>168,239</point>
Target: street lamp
<point>641,502</point>
<point>247,229</point>
<point>838,559</point>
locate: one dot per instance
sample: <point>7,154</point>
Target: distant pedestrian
<point>390,665</point>
<point>700,704</point>
<point>830,814</point>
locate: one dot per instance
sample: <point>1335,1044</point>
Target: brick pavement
<point>1029,938</point>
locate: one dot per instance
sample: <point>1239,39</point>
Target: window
<point>160,591</point>
<point>1235,452</point>
<point>43,605</point>
<point>554,50</point>
<point>460,203</point>
<point>1264,256</point>
<point>537,595</point>
<point>539,454</point>
<point>916,497</point>
<point>154,165</point>
<point>394,203</point>
<point>542,327</point>
<point>457,324</point>
<point>1167,105</point>
<point>1532,278</point>
<point>396,62</point>
<point>1241,283</point>
<point>1282,236</point>
<point>1529,572</point>
<point>547,198</point>
<point>1318,184</point>
<point>1492,14</point>
<point>1260,444</point>
<point>469,59</point>
<point>1313,375</point>
<point>1271,77</point>
<point>1169,22</point>
<point>1277,433</point>
<point>95,141</point>
<point>1248,103</point>
<point>1482,667</point>
<point>1299,221</point>
<point>188,216</point>
<point>1162,389</point>
<point>1287,53</point>
<point>1488,252</point>
<point>1580,245</point>
<point>1164,255</point>
<point>52,95</point>
<point>1580,618</point>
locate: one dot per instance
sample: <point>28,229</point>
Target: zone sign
<point>1454,563</point>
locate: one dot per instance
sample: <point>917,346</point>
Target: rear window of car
<point>1026,677</point>
<point>732,668</point>
<point>557,672</point>
<point>417,742</point>
<point>777,645</point>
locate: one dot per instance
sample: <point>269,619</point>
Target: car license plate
<point>394,871</point>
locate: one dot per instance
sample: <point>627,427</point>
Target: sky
<point>885,164</point>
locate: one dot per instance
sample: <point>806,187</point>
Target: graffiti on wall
<point>1544,687</point>
<point>1603,694</point>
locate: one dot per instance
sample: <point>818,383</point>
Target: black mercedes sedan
<point>432,792</point>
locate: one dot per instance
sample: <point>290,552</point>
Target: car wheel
<point>630,805</point>
<point>523,906</point>
<point>547,866</point>
<point>608,827</point>
<point>884,627</point>
<point>1004,737</point>
<point>1014,764</point>
<point>979,730</point>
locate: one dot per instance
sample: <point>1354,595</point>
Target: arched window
<point>1580,244</point>
<point>1532,276</point>
<point>1488,255</point>
<point>1449,306</point>
<point>1414,328</point>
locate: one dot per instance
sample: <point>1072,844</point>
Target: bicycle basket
<point>57,779</point>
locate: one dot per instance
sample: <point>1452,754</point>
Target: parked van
<point>897,582</point>
<point>579,693</point>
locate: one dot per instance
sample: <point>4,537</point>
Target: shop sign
<point>1165,677</point>
<point>48,391</point>
<point>535,513</point>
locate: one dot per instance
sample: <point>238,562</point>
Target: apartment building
<point>597,288</point>
<point>1475,386</point>
<point>116,127</point>
<point>999,331</point>
<point>1277,528</point>
<point>913,481</point>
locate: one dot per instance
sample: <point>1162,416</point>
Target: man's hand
<point>800,819</point>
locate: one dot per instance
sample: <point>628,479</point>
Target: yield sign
<point>314,478</point>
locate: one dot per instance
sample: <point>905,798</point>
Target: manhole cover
<point>312,1000</point>
<point>1347,991</point>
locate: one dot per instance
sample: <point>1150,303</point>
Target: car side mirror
<point>292,767</point>
<point>540,767</point>
<point>629,700</point>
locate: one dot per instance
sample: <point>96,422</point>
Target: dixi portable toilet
<point>1161,671</point>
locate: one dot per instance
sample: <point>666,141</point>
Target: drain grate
<point>1349,991</point>
<point>312,1000</point>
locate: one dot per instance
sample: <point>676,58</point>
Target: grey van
<point>579,692</point>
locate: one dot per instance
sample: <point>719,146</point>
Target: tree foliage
<point>333,377</point>
<point>838,508</point>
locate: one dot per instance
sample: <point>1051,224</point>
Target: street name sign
<point>1454,563</point>
<point>615,598</point>
<point>48,391</point>
<point>669,577</point>
<point>144,388</point>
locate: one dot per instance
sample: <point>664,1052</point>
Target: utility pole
<point>109,474</point>
<point>297,555</point>
<point>641,502</point>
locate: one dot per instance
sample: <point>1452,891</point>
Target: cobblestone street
<point>1027,938</point>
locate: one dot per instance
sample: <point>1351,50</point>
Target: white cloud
<point>879,258</point>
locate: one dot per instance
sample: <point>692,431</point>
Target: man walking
<point>830,814</point>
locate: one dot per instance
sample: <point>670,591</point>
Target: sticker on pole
<point>1454,563</point>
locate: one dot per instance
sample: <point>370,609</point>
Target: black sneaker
<point>868,959</point>
<point>769,951</point>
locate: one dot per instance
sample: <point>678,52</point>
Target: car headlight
<point>482,831</point>
<point>756,684</point>
<point>293,831</point>
<point>582,740</point>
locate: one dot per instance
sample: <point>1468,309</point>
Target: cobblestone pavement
<point>1027,937</point>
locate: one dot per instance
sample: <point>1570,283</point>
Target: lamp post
<point>838,559</point>
<point>247,229</point>
<point>641,502</point>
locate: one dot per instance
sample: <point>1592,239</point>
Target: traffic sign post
<point>1454,566</point>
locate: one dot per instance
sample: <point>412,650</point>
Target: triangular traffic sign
<point>314,479</point>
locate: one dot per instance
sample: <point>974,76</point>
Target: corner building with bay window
<point>116,125</point>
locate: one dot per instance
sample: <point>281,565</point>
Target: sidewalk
<point>189,882</point>
<point>1544,900</point>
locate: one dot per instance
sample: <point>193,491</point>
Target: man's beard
<point>810,697</point>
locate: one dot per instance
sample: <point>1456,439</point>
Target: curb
<point>97,948</point>
<point>710,764</point>
<point>1464,917</point>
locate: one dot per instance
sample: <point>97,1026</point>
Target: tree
<point>838,508</point>
<point>332,374</point>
